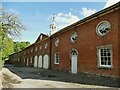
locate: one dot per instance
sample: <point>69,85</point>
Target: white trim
<point>73,67</point>
<point>40,61</point>
<point>57,42</point>
<point>55,58</point>
<point>72,35</point>
<point>73,50</point>
<point>97,32</point>
<point>99,56</point>
<point>46,61</point>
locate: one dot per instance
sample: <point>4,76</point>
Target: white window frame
<point>55,58</point>
<point>72,36</point>
<point>97,27</point>
<point>99,56</point>
<point>56,42</point>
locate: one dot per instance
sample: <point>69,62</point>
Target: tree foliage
<point>11,24</point>
<point>10,27</point>
<point>18,46</point>
<point>8,47</point>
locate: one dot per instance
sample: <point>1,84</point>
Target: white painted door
<point>35,61</point>
<point>74,64</point>
<point>46,62</point>
<point>40,62</point>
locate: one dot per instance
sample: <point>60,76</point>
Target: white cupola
<point>53,26</point>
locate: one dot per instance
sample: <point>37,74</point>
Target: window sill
<point>56,63</point>
<point>105,67</point>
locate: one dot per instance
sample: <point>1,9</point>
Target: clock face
<point>74,37</point>
<point>103,28</point>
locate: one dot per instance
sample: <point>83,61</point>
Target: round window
<point>74,37</point>
<point>56,42</point>
<point>103,28</point>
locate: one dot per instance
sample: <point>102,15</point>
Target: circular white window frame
<point>73,41</point>
<point>98,33</point>
<point>57,42</point>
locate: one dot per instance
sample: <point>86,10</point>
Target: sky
<point>37,15</point>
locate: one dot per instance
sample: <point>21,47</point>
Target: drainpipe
<point>50,52</point>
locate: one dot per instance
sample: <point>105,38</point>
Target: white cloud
<point>87,12</point>
<point>65,19</point>
<point>110,2</point>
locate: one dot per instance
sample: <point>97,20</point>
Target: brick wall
<point>86,45</point>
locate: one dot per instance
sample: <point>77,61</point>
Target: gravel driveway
<point>79,80</point>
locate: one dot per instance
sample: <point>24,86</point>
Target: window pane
<point>109,63</point>
<point>109,58</point>
<point>108,54</point>
<point>56,58</point>
<point>101,50</point>
<point>105,56</point>
<point>102,58</point>
<point>102,54</point>
<point>102,63</point>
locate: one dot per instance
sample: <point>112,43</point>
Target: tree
<point>18,46</point>
<point>8,48</point>
<point>10,27</point>
<point>11,24</point>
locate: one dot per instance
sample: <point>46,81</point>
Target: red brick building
<point>90,45</point>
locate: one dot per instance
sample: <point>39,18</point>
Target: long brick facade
<point>79,47</point>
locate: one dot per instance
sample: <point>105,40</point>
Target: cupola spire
<point>53,26</point>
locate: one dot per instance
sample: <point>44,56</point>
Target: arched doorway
<point>74,54</point>
<point>35,61</point>
<point>40,62</point>
<point>46,62</point>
